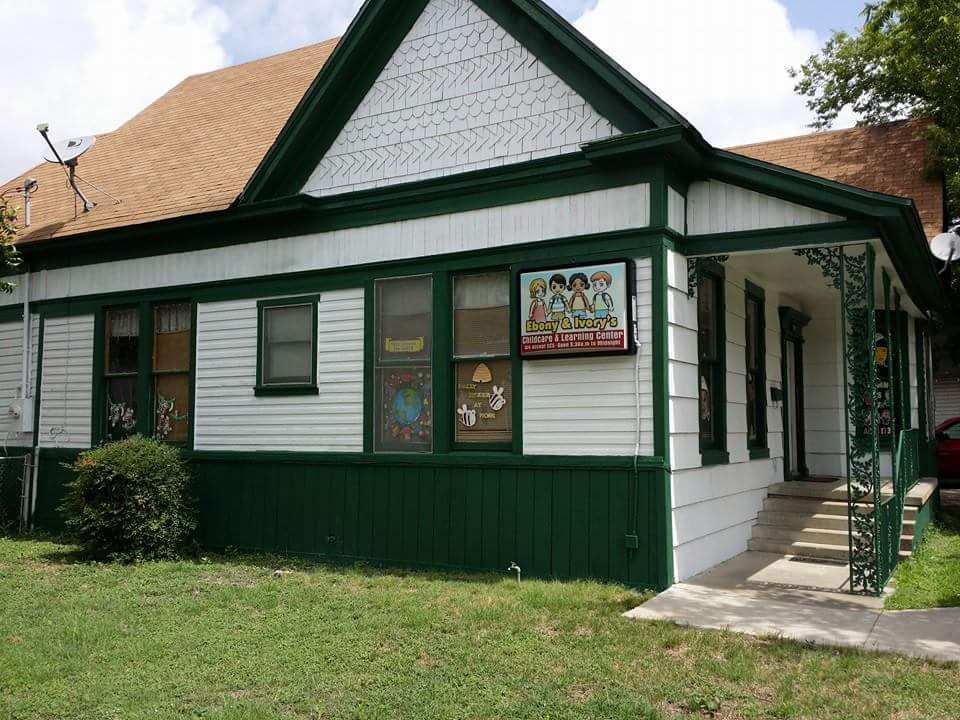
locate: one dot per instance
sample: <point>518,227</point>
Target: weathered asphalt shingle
<point>191,151</point>
<point>888,158</point>
<point>195,148</point>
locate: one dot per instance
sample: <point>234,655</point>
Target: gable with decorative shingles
<point>459,94</point>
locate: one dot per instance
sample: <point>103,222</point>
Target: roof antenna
<point>66,153</point>
<point>946,247</point>
<point>29,187</point>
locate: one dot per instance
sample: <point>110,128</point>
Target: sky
<point>721,63</point>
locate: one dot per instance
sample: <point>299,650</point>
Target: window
<point>756,372</point>
<point>122,363</point>
<point>171,371</point>
<point>147,369</point>
<point>710,348</point>
<point>288,346</point>
<point>483,372</point>
<point>404,371</point>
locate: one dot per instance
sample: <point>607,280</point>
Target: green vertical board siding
<point>553,520</point>
<point>52,478</point>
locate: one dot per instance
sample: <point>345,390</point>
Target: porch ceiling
<point>804,283</point>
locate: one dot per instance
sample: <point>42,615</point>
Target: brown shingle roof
<point>191,151</point>
<point>195,148</point>
<point>888,158</point>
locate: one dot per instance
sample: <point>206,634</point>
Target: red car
<point>948,448</point>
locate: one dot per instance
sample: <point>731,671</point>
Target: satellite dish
<point>946,247</point>
<point>67,151</point>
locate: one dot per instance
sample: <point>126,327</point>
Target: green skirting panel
<point>51,481</point>
<point>552,520</point>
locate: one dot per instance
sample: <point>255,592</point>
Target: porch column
<point>862,427</point>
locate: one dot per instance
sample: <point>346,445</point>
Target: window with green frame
<point>147,363</point>
<point>756,370</point>
<point>403,359</point>
<point>482,366</point>
<point>711,382</point>
<point>287,346</point>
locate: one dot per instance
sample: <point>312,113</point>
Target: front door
<point>792,424</point>
<point>792,323</point>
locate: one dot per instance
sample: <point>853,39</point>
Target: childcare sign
<point>585,309</point>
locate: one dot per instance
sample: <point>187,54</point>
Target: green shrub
<point>130,501</point>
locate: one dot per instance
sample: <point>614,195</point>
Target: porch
<point>842,370</point>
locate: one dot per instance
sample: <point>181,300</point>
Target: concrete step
<point>801,549</point>
<point>815,506</point>
<point>807,535</point>
<point>836,490</point>
<point>823,536</point>
<point>815,521</point>
<point>803,520</point>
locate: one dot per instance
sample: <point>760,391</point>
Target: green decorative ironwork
<point>694,267</point>
<point>828,259</point>
<point>856,276</point>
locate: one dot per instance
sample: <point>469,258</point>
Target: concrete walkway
<point>747,595</point>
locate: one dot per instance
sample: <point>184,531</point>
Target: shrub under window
<point>130,501</point>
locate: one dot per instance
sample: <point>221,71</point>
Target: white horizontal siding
<point>66,382</point>
<point>588,406</point>
<point>620,208</point>
<point>714,207</point>
<point>227,414</point>
<point>714,508</point>
<point>11,380</point>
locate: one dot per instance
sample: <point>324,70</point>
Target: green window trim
<point>714,452</point>
<point>758,448</point>
<point>452,360</point>
<point>263,388</point>
<point>145,374</point>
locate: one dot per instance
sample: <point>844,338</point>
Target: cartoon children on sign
<point>602,304</point>
<point>559,308</point>
<point>579,305</point>
<point>538,308</point>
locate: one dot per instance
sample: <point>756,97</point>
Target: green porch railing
<point>906,474</point>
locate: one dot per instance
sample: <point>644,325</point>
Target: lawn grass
<point>931,578</point>
<point>227,639</point>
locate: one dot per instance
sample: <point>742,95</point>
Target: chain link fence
<point>13,474</point>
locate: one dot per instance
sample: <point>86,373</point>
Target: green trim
<point>369,365</point>
<point>714,457</point>
<point>757,294</point>
<point>607,245</point>
<point>373,37</point>
<point>457,459</point>
<point>609,88</point>
<point>280,390</point>
<point>362,53</point>
<point>661,354</point>
<point>290,388</point>
<point>302,214</point>
<point>816,235</point>
<point>11,313</point>
<point>901,229</point>
<point>716,452</point>
<point>144,379</point>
